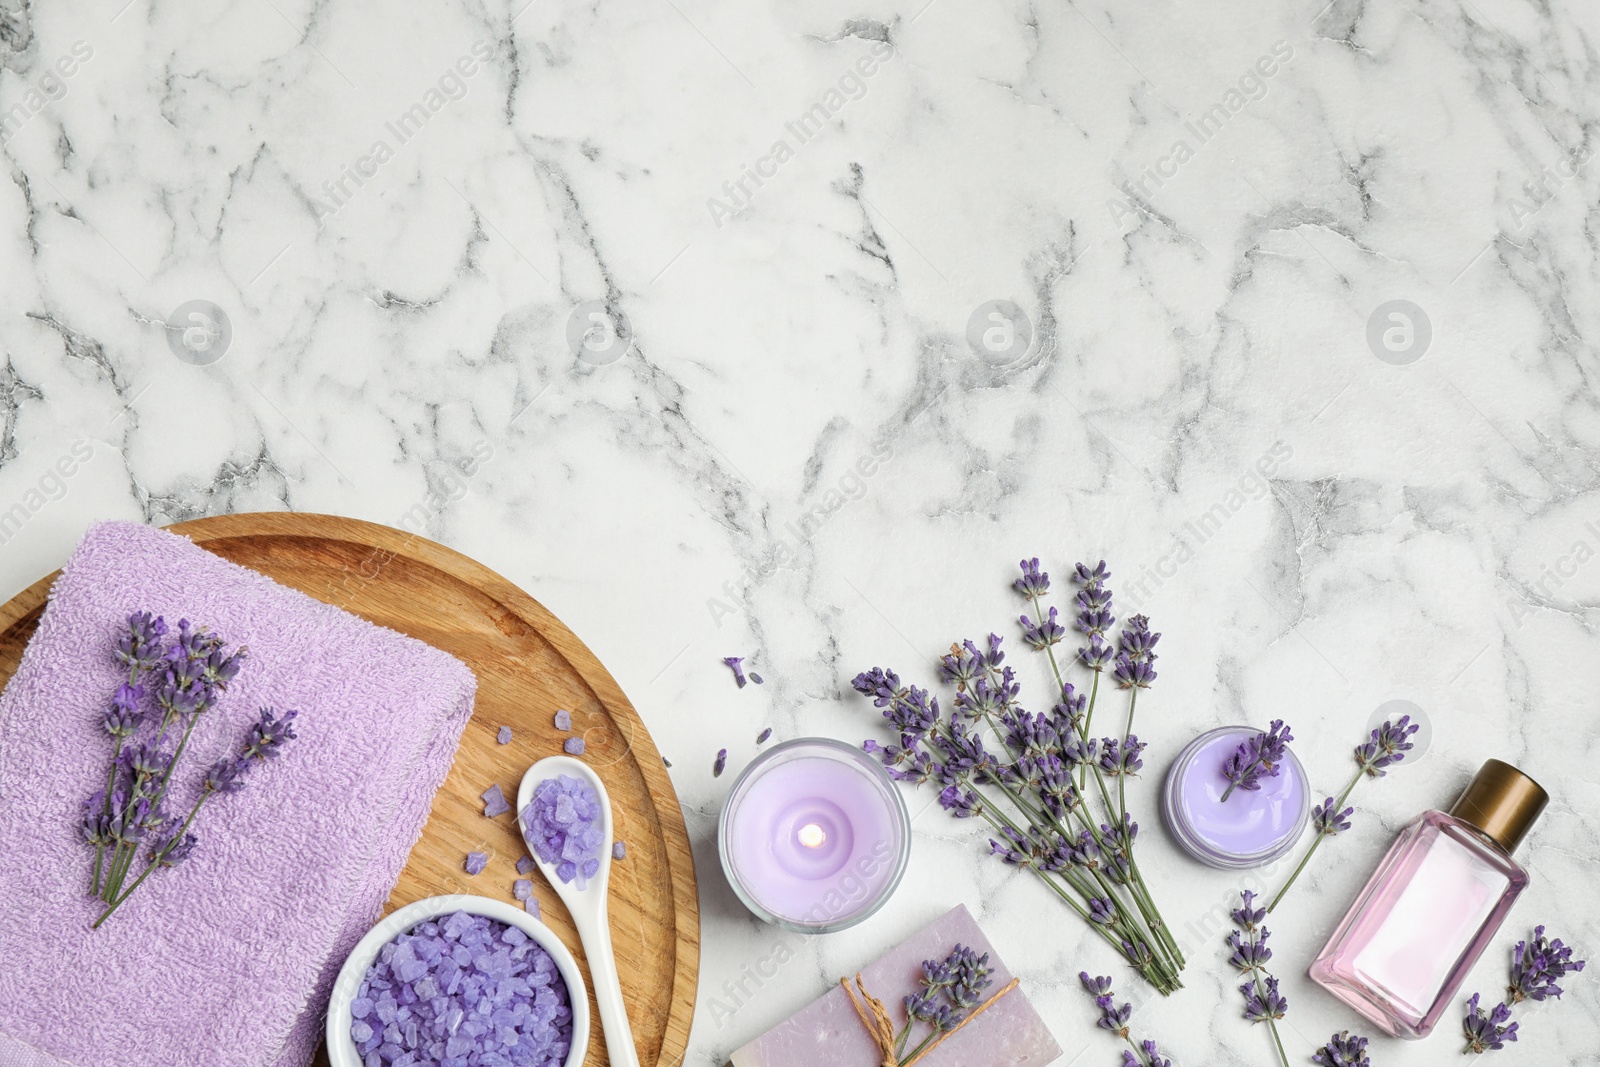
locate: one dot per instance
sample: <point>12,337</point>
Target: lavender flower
<point>1343,1049</point>
<point>1487,1031</point>
<point>736,665</point>
<point>761,738</point>
<point>1043,634</point>
<point>171,851</point>
<point>1115,1018</point>
<point>1034,582</point>
<point>1329,821</point>
<point>1387,746</point>
<point>1537,965</point>
<point>1256,758</point>
<point>268,735</point>
<point>122,716</point>
<point>720,763</point>
<point>1130,673</point>
<point>139,647</point>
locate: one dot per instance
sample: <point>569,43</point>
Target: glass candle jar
<point>1250,828</point>
<point>814,835</point>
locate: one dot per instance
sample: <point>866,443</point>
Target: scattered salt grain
<point>564,825</point>
<point>573,746</point>
<point>720,764</point>
<point>464,989</point>
<point>476,862</point>
<point>619,850</point>
<point>525,865</point>
<point>522,888</point>
<point>494,801</point>
<point>563,719</point>
<point>504,736</point>
<point>531,906</point>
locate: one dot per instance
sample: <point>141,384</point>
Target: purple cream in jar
<point>1252,827</point>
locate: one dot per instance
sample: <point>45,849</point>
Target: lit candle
<point>814,836</point>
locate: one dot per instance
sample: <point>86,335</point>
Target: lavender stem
<point>1278,897</point>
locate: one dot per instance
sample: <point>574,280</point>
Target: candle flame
<point>812,835</point>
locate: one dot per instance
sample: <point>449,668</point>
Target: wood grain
<point>528,665</point>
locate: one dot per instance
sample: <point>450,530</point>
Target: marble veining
<point>785,331</point>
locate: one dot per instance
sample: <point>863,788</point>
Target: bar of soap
<point>829,1030</point>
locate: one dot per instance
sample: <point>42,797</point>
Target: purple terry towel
<point>227,960</point>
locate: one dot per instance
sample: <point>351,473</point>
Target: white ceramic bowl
<point>342,1050</point>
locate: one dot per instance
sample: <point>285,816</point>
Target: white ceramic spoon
<point>587,907</point>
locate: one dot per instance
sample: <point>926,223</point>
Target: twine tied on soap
<point>876,1019</point>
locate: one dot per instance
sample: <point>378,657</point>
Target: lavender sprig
<point>1115,1017</point>
<point>1536,966</point>
<point>947,992</point>
<point>264,742</point>
<point>1387,746</point>
<point>1256,758</point>
<point>1250,955</point>
<point>1030,775</point>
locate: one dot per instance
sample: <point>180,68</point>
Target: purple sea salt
<point>463,989</point>
<point>563,719</point>
<point>504,736</point>
<point>573,746</point>
<point>476,862</point>
<point>619,850</point>
<point>494,801</point>
<point>564,826</point>
<point>524,864</point>
<point>522,889</point>
<point>531,906</point>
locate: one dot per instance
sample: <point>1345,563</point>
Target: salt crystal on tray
<point>564,825</point>
<point>1010,1032</point>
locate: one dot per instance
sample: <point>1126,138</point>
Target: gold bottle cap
<point>1502,802</point>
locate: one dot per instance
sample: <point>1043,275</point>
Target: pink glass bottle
<point>1432,905</point>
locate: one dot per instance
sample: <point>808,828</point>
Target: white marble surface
<point>1414,535</point>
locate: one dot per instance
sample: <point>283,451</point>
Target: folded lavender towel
<point>227,960</point>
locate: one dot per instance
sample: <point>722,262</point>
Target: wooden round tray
<point>528,665</point>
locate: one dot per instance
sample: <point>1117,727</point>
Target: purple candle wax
<point>1253,827</point>
<point>814,836</point>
